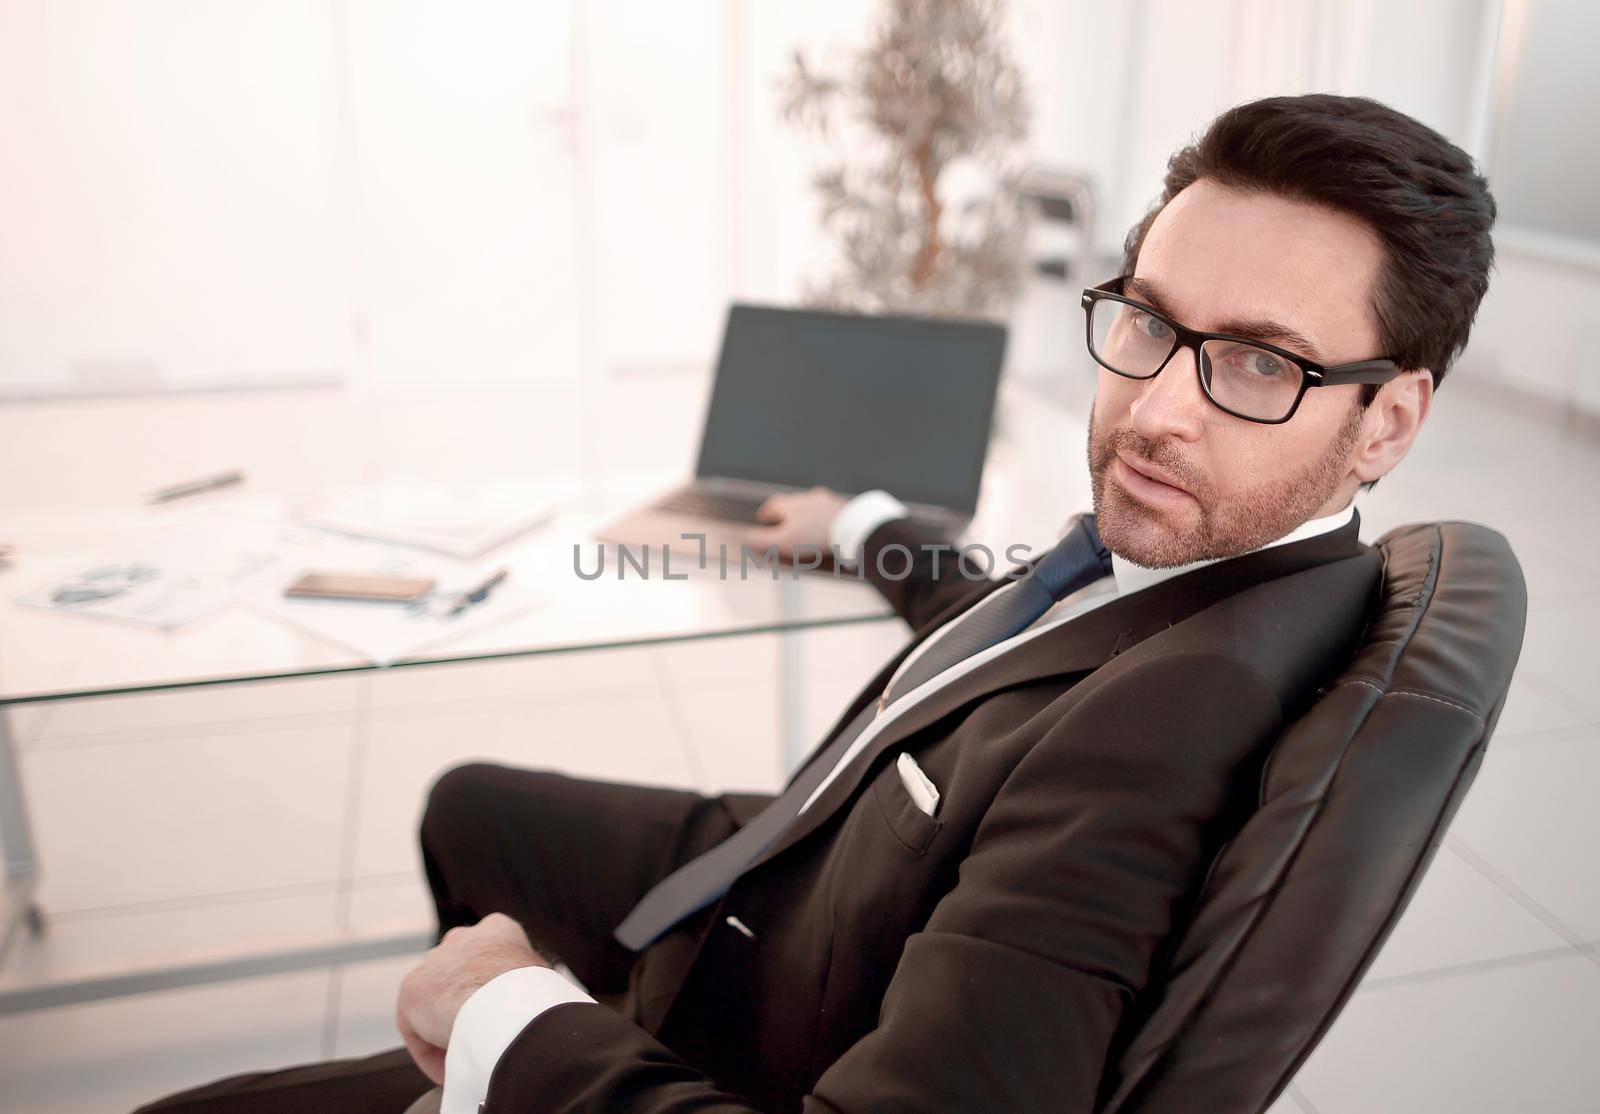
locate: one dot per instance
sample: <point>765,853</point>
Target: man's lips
<point>1149,482</point>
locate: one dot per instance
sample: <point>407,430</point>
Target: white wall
<point>1535,332</point>
<point>387,192</point>
<point>462,185</point>
<point>169,193</point>
<point>392,193</point>
<point>408,192</point>
<point>1121,86</point>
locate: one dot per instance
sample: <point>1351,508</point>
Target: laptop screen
<point>854,402</point>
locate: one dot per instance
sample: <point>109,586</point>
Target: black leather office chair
<point>1354,801</point>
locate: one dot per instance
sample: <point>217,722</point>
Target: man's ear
<point>1391,423</point>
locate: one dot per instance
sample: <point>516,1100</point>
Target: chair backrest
<point>1354,801</point>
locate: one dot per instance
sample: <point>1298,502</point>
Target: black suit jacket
<point>989,959</point>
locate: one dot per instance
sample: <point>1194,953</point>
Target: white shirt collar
<point>1132,578</point>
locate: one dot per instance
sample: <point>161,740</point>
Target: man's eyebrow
<point>1145,289</point>
<point>1251,328</point>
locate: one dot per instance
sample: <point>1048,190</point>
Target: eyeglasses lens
<point>1252,382</point>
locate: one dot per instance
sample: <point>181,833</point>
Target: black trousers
<point>566,858</point>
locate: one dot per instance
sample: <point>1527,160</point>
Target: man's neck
<point>1131,577</point>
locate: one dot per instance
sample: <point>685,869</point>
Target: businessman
<point>960,901</point>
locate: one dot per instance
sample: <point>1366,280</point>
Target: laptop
<point>850,401</point>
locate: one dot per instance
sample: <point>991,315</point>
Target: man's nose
<point>1172,405</point>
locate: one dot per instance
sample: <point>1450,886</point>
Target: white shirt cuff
<point>857,519</point>
<point>488,1022</point>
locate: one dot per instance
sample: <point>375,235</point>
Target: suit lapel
<point>1081,645</point>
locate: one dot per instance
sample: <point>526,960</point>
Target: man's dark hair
<point>1417,191</point>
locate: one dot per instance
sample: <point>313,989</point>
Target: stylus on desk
<point>195,487</point>
<point>478,594</point>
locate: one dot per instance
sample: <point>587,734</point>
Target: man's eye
<point>1152,327</point>
<point>1265,365</point>
<point>1253,364</point>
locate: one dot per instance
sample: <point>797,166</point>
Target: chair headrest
<point>1355,797</point>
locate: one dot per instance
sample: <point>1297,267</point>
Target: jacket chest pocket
<point>914,828</point>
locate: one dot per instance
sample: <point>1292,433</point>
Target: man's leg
<point>383,1084</point>
<point>564,857</point>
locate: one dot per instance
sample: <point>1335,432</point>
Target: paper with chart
<point>152,590</point>
<point>166,570</point>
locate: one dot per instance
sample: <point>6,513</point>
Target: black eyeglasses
<point>1247,378</point>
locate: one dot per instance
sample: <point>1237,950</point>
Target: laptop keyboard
<point>705,504</point>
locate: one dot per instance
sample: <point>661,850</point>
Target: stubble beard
<point>1136,532</point>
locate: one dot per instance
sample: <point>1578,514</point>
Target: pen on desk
<point>195,487</point>
<point>478,594</point>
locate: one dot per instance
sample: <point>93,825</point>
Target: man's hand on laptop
<point>799,518</point>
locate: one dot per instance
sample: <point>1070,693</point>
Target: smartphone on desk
<point>359,586</point>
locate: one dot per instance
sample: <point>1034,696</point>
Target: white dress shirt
<point>493,1017</point>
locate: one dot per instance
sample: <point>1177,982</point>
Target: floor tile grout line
<point>195,901</point>
<point>360,735</point>
<point>360,738</point>
<point>240,897</point>
<point>1570,733</point>
<point>219,729</point>
<point>1300,1099</point>
<point>27,743</point>
<point>1473,967</point>
<point>1538,601</point>
<point>386,879</point>
<point>340,886</point>
<point>254,725</point>
<point>330,1015</point>
<point>1522,897</point>
<point>1553,692</point>
<point>678,718</point>
<point>264,724</point>
<point>235,897</point>
<point>566,698</point>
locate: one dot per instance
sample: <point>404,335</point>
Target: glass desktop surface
<point>595,449</point>
<point>49,656</point>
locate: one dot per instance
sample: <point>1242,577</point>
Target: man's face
<point>1255,264</point>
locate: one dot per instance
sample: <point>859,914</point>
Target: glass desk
<point>52,657</point>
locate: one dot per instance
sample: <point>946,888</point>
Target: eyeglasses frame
<point>1313,374</point>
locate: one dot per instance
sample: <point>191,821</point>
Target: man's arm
<point>916,568</point>
<point>1010,998</point>
<point>487,1024</point>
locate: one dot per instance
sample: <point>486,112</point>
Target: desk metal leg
<point>17,907</point>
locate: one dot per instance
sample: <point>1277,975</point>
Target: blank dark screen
<point>854,402</point>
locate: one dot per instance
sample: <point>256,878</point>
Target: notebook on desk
<point>850,401</point>
<point>456,520</point>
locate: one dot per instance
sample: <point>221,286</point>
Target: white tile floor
<point>171,822</point>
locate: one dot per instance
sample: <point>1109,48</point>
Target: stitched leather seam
<point>1412,692</point>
